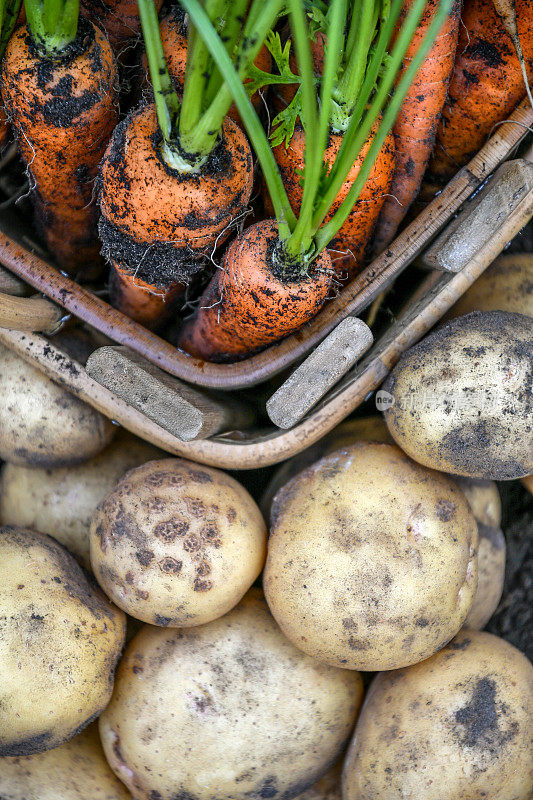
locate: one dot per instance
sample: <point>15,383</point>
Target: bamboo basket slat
<point>351,300</point>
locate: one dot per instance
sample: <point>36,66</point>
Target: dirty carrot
<point>178,173</point>
<point>9,13</point>
<point>487,82</point>
<point>277,274</point>
<point>118,18</point>
<point>415,128</point>
<point>59,89</point>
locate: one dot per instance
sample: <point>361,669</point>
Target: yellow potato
<point>483,498</point>
<point>507,285</point>
<point>371,559</point>
<point>41,424</point>
<point>491,574</point>
<point>528,483</point>
<point>327,788</point>
<point>455,727</point>
<point>77,770</point>
<point>177,544</point>
<point>61,501</point>
<point>59,644</point>
<point>463,401</point>
<point>372,429</point>
<point>226,710</point>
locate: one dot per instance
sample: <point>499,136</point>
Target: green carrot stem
<point>300,240</point>
<point>203,138</point>
<point>329,230</point>
<point>282,208</point>
<point>354,73</point>
<point>53,24</point>
<point>353,138</point>
<point>197,74</point>
<point>9,11</point>
<point>229,34</point>
<point>166,100</point>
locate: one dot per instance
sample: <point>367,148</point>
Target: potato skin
<point>228,709</point>
<point>41,424</point>
<point>177,544</point>
<point>491,574</point>
<point>483,498</point>
<point>61,501</point>
<point>507,285</point>
<point>464,397</point>
<point>76,770</point>
<point>61,639</point>
<point>528,483</point>
<point>327,788</point>
<point>371,559</point>
<point>458,726</point>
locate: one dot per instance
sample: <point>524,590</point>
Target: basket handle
<point>29,314</point>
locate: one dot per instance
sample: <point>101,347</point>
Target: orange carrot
<point>236,314</point>
<point>415,128</point>
<point>486,83</point>
<point>63,110</point>
<point>347,248</point>
<point>118,18</point>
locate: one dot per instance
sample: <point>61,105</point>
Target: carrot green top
<point>356,90</point>
<point>53,24</point>
<point>9,11</point>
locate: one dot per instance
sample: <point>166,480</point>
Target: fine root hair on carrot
<point>506,10</point>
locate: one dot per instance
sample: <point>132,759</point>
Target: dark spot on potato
<point>155,795</point>
<point>203,569</point>
<point>445,510</point>
<point>27,747</point>
<point>231,515</point>
<point>422,622</point>
<point>162,621</point>
<point>480,719</point>
<point>195,507</point>
<point>357,644</point>
<point>100,533</point>
<point>348,623</point>
<point>170,565</point>
<point>192,544</point>
<point>129,578</point>
<point>137,669</point>
<point>201,585</point>
<point>144,557</point>
<point>171,528</point>
<point>199,476</point>
<point>142,595</point>
<point>454,645</point>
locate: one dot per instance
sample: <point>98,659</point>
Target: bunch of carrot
<point>335,105</point>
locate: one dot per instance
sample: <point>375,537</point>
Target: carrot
<point>118,18</point>
<point>58,87</point>
<point>177,173</point>
<point>416,126</point>
<point>486,83</point>
<point>277,274</point>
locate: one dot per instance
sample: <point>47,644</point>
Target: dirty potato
<point>41,424</point>
<point>507,285</point>
<point>455,727</point>
<point>491,574</point>
<point>228,709</point>
<point>371,559</point>
<point>177,544</point>
<point>59,644</point>
<point>371,429</point>
<point>61,501</point>
<point>463,397</point>
<point>327,788</point>
<point>528,483</point>
<point>77,770</point>
<point>483,498</point>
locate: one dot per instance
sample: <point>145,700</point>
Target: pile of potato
<point>383,554</point>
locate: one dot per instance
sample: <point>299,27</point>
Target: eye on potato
<point>41,424</point>
<point>464,398</point>
<point>507,285</point>
<point>76,770</point>
<point>177,544</point>
<point>59,644</point>
<point>228,709</point>
<point>458,726</point>
<point>61,501</point>
<point>372,429</point>
<point>371,559</point>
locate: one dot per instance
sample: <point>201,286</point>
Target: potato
<point>528,483</point>
<point>177,544</point>
<point>491,574</point>
<point>371,559</point>
<point>352,430</point>
<point>61,501</point>
<point>483,498</point>
<point>507,285</point>
<point>60,641</point>
<point>41,424</point>
<point>327,788</point>
<point>77,770</point>
<point>455,727</point>
<point>228,709</point>
<point>463,399</point>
